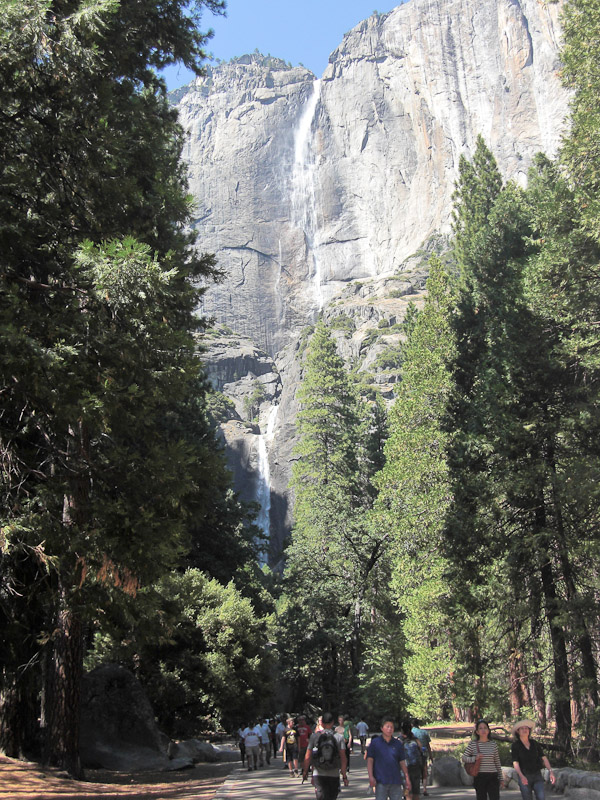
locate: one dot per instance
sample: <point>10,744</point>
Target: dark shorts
<point>326,788</point>
<point>291,753</point>
<point>414,773</point>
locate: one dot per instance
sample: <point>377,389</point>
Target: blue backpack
<point>412,749</point>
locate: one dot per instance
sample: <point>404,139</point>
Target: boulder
<point>118,729</point>
<point>448,771</point>
<point>195,750</point>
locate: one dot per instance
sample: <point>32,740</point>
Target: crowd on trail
<point>397,765</point>
<point>320,751</point>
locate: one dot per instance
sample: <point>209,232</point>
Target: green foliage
<point>389,359</point>
<point>219,407</point>
<point>106,451</point>
<point>210,660</point>
<point>336,555</point>
<point>253,401</point>
<point>344,323</point>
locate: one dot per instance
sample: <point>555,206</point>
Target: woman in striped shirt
<point>489,780</point>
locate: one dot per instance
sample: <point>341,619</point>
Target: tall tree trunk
<point>562,736</point>
<point>538,689</point>
<point>62,695</point>
<point>64,667</point>
<point>19,714</point>
<point>514,676</point>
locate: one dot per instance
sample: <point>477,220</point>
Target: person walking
<point>489,780</point>
<point>304,733</point>
<point>265,742</point>
<point>425,740</point>
<point>386,761</point>
<point>344,727</point>
<point>289,740</point>
<point>528,759</point>
<point>326,754</point>
<point>279,731</point>
<point>414,759</point>
<point>241,744</point>
<point>363,731</point>
<point>252,745</point>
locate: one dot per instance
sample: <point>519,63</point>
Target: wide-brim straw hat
<point>523,723</point>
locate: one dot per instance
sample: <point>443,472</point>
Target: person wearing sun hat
<point>528,759</point>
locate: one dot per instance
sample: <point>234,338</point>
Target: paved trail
<point>273,783</point>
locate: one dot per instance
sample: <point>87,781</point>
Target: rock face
<point>302,185</point>
<point>307,189</point>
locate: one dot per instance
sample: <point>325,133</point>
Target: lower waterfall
<point>263,481</point>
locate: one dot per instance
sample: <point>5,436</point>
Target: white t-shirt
<point>252,736</point>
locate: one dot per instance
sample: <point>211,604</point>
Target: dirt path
<point>26,781</point>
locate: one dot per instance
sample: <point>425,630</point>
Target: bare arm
<point>370,762</point>
<point>546,763</point>
<point>307,761</point>
<point>404,769</point>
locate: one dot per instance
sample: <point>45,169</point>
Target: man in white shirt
<point>265,742</point>
<point>252,742</point>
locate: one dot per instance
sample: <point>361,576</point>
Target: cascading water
<point>263,489</point>
<point>304,206</point>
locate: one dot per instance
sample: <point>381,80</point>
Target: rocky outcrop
<point>119,731</point>
<point>317,195</point>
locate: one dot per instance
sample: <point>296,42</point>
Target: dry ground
<point>26,781</point>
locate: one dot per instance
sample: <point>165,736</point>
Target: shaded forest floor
<point>29,781</point>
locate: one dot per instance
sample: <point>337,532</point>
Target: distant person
<point>344,727</point>
<point>489,780</point>
<point>289,741</point>
<point>414,759</point>
<point>326,754</point>
<point>273,737</point>
<point>241,744</point>
<point>363,731</point>
<point>252,745</point>
<point>528,759</point>
<point>265,742</point>
<point>279,731</point>
<point>386,762</point>
<point>304,733</point>
<point>425,740</point>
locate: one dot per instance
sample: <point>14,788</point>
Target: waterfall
<point>304,207</point>
<point>263,483</point>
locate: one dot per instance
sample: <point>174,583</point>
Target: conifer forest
<point>445,554</point>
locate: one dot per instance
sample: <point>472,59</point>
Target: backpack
<point>326,753</point>
<point>412,749</point>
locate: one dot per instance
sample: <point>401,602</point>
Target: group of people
<point>527,756</point>
<point>322,752</point>
<point>397,766</point>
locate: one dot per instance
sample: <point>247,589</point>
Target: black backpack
<point>326,753</point>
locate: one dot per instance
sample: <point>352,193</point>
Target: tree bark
<point>562,736</point>
<point>62,695</point>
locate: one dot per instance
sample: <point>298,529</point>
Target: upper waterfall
<point>304,204</point>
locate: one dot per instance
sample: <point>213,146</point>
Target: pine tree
<point>98,360</point>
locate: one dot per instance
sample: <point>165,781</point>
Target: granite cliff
<point>322,195</point>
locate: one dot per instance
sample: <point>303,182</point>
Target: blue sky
<point>305,31</point>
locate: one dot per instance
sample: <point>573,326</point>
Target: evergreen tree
<point>335,552</point>
<point>97,358</point>
<point>414,496</point>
